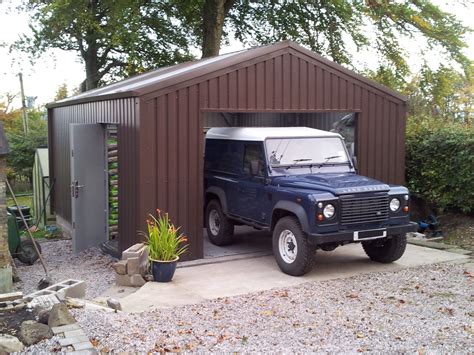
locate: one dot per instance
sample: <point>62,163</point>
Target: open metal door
<point>88,186</point>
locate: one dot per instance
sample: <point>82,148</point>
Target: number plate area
<point>370,234</point>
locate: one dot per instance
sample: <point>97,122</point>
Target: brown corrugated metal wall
<point>122,112</point>
<point>171,139</point>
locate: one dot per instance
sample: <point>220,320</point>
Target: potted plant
<point>165,244</point>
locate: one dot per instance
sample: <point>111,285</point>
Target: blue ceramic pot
<point>163,271</point>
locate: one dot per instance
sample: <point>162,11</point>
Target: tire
<point>219,228</point>
<point>386,250</point>
<point>288,237</point>
<point>27,253</point>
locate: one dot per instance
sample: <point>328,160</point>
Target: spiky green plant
<point>164,241</point>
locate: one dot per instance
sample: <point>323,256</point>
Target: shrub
<point>440,163</point>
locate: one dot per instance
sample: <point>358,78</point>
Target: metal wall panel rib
<point>161,154</point>
<point>121,112</point>
<point>285,82</point>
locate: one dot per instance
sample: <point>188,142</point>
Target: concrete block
<point>74,333</point>
<point>6,280</point>
<point>133,266</point>
<point>120,267</point>
<point>46,301</point>
<point>130,280</point>
<point>83,346</point>
<point>73,340</point>
<point>133,251</point>
<point>66,328</point>
<point>63,289</point>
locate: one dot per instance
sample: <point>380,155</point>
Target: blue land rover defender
<point>299,183</point>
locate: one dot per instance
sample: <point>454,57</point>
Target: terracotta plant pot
<point>163,271</point>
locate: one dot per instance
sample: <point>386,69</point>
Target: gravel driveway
<point>425,309</point>
<point>90,265</point>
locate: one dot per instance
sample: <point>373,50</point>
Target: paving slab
<point>196,284</point>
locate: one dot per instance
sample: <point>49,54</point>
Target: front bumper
<point>348,236</point>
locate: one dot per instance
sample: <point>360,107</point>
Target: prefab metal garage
<point>148,132</point>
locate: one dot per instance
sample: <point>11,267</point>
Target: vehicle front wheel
<point>219,228</point>
<point>386,250</point>
<point>293,252</point>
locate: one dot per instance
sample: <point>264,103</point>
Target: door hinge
<point>72,152</point>
<point>73,225</point>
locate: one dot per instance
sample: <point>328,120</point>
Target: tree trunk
<point>90,54</point>
<point>92,69</point>
<point>214,13</point>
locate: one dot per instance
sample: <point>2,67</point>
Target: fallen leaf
<point>352,295</point>
<point>267,313</point>
<point>360,335</point>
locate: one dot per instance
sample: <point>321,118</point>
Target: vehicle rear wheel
<point>27,253</point>
<point>219,228</point>
<point>386,250</point>
<point>293,252</point>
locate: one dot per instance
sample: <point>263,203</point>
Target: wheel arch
<point>289,208</point>
<point>216,193</point>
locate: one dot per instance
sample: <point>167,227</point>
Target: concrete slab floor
<point>246,240</point>
<point>203,282</point>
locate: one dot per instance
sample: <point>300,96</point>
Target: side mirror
<point>254,167</point>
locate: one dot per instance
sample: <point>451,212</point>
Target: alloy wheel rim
<point>287,246</point>
<point>214,222</point>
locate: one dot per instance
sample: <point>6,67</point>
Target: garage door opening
<point>248,241</point>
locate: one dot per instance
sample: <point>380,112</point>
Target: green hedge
<point>440,163</point>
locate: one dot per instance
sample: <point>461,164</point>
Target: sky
<point>57,67</point>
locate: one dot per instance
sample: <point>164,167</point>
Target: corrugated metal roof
<point>262,133</point>
<point>164,77</point>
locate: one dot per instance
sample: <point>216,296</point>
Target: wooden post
<point>5,257</point>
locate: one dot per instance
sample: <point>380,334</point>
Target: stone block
<point>133,265</point>
<point>130,280</point>
<point>32,332</point>
<point>120,267</point>
<point>10,296</point>
<point>65,328</point>
<point>60,315</point>
<point>10,344</point>
<point>114,304</point>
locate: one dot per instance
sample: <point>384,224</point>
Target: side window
<point>222,156</point>
<point>253,155</point>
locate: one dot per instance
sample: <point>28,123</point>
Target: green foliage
<point>332,28</point>
<point>113,38</point>
<point>61,93</point>
<point>440,163</point>
<point>118,39</point>
<point>21,158</point>
<point>163,239</point>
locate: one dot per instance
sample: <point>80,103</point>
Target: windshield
<point>306,151</point>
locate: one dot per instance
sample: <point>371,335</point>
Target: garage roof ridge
<point>161,78</point>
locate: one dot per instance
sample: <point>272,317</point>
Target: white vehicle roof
<point>262,133</point>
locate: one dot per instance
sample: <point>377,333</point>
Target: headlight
<point>394,204</point>
<point>329,211</point>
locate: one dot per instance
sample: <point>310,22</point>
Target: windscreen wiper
<point>330,158</point>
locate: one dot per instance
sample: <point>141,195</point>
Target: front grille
<point>363,210</point>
